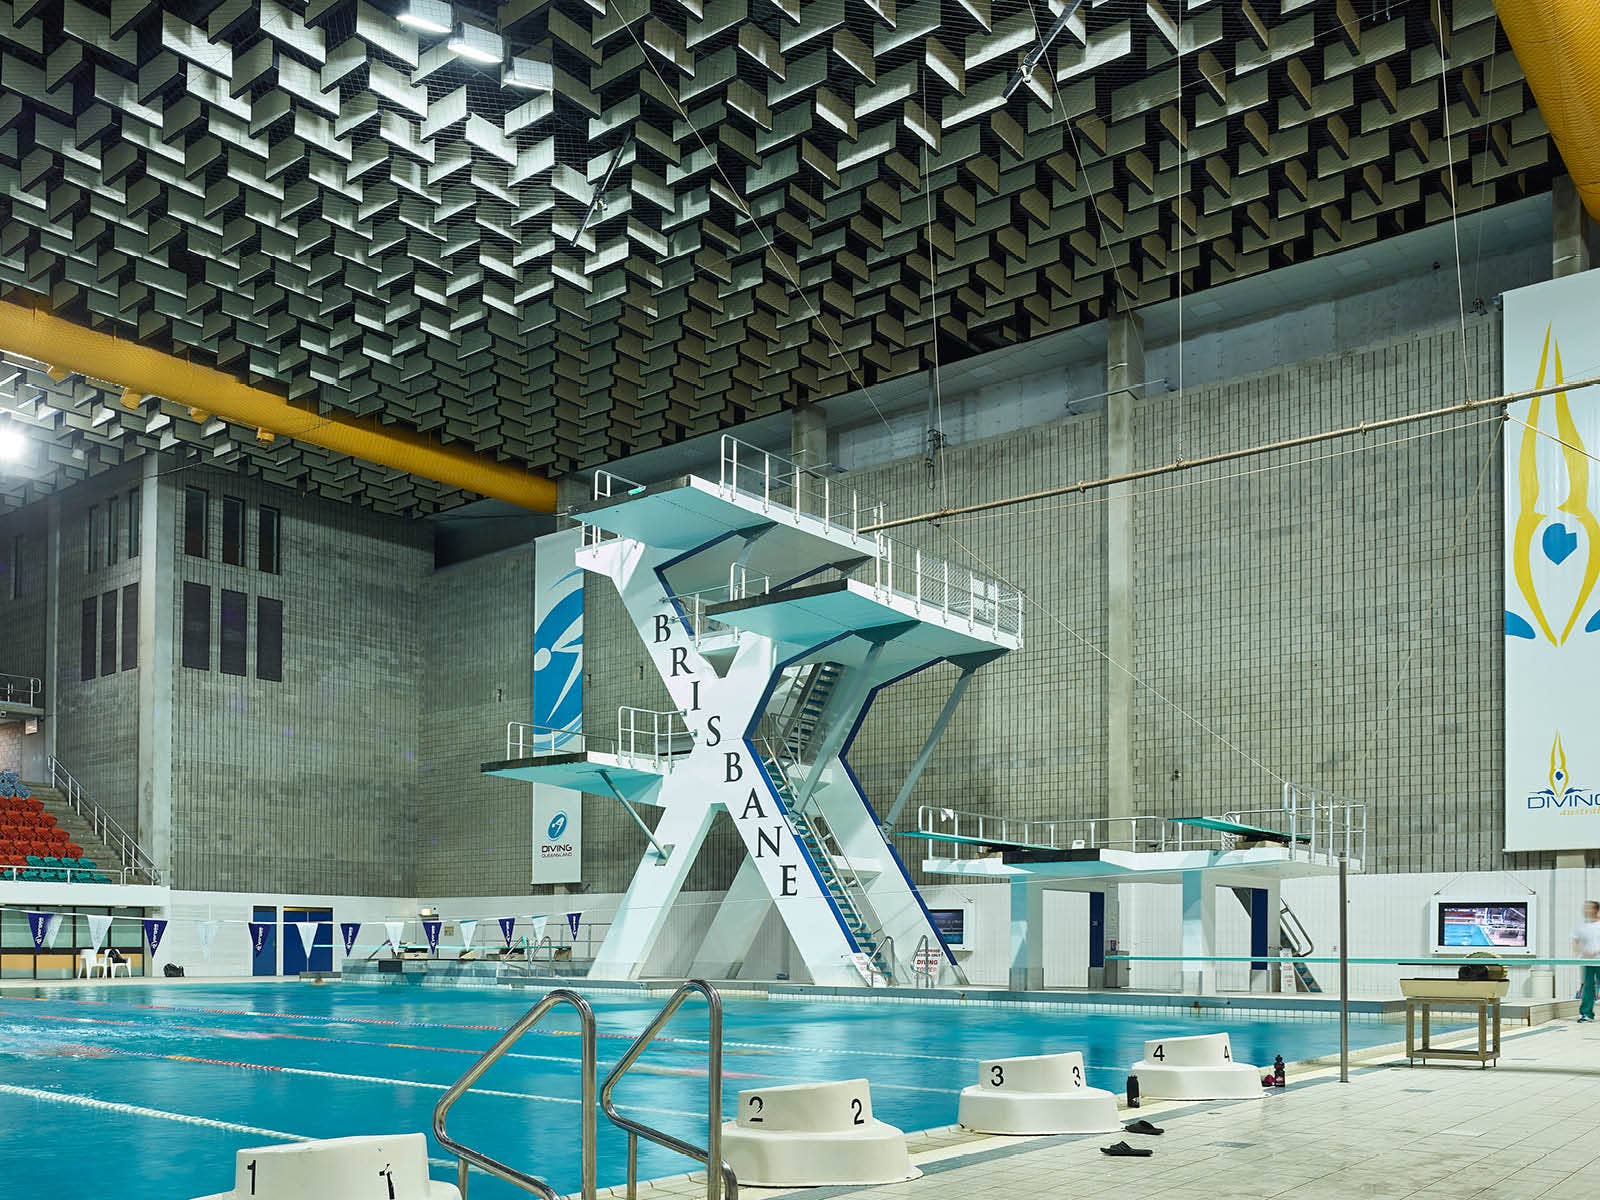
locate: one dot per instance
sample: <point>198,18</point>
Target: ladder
<point>839,878</point>
<point>1292,937</point>
<point>801,716</point>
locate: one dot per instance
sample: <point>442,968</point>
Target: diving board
<point>1252,833</point>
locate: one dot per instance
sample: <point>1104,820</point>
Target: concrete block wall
<point>23,591</point>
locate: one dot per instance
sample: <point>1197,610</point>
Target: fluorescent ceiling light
<point>477,44</point>
<point>12,444</point>
<point>430,16</point>
<point>530,74</point>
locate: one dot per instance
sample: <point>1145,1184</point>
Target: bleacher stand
<point>33,848</point>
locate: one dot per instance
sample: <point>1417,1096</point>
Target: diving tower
<point>774,623</point>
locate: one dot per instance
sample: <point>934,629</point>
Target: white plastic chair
<point>88,964</point>
<point>112,965</point>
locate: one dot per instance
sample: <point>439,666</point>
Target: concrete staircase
<point>79,831</point>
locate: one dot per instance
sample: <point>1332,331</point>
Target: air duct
<point>143,371</point>
<point>1557,42</point>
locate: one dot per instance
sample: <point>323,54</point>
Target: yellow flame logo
<point>1576,505</point>
<point>1558,767</point>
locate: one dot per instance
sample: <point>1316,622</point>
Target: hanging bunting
<point>396,931</point>
<point>430,930</point>
<point>572,922</point>
<point>53,929</point>
<point>467,929</point>
<point>258,936</point>
<point>97,929</point>
<point>155,928</point>
<point>38,926</point>
<point>539,924</point>
<point>349,930</point>
<point>308,935</point>
<point>507,927</point>
<point>206,931</point>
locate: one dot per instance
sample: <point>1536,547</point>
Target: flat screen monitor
<point>1475,925</point>
<point>951,924</point>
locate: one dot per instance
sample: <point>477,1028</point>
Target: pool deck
<point>1529,1127</point>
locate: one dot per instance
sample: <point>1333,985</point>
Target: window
<point>268,558</point>
<point>89,644</point>
<point>233,531</point>
<point>196,503</point>
<point>113,516</point>
<point>91,538</point>
<point>130,627</point>
<point>235,627</point>
<point>16,567</point>
<point>197,626</point>
<point>108,634</point>
<point>269,639</point>
<point>135,503</point>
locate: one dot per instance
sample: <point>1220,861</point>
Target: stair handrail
<point>587,1070</point>
<point>30,685</point>
<point>1293,930</point>
<point>721,1182</point>
<point>103,823</point>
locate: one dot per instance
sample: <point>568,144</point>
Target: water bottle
<point>1133,1091</point>
<point>1277,1071</point>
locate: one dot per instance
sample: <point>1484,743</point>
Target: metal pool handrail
<point>720,1179</point>
<point>588,1071</point>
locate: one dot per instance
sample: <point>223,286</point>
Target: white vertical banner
<point>308,935</point>
<point>1552,568</point>
<point>206,931</point>
<point>557,702</point>
<point>97,929</point>
<point>396,930</point>
<point>466,929</point>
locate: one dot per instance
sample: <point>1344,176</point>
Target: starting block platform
<point>338,1169</point>
<point>1037,1094</point>
<point>811,1135</point>
<point>1197,1067</point>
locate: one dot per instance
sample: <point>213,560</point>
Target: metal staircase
<point>1293,938</point>
<point>803,716</point>
<point>839,878</point>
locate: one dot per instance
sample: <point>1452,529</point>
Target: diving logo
<point>1562,794</point>
<point>558,826</point>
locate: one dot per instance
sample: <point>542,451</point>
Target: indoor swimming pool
<point>160,1084</point>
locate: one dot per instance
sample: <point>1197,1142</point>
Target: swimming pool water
<point>159,1085</point>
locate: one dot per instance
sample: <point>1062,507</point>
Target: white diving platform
<point>583,771</point>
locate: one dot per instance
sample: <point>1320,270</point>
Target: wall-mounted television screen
<point>951,924</point>
<point>1468,925</point>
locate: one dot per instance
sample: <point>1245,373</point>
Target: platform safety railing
<point>721,1183</point>
<point>1319,823</point>
<point>806,491</point>
<point>20,689</point>
<point>652,735</point>
<point>588,1069</point>
<point>929,581</point>
<point>969,831</point>
<point>134,859</point>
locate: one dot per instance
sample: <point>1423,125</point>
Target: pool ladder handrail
<point>587,1073</point>
<point>721,1184</point>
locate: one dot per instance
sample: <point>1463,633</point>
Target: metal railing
<point>1078,833</point>
<point>806,491</point>
<point>720,1179</point>
<point>465,1155</point>
<point>20,689</point>
<point>608,484</point>
<point>742,584</point>
<point>642,733</point>
<point>1318,822</point>
<point>114,875</point>
<point>930,581</point>
<point>127,848</point>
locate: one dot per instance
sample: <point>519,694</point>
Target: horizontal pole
<point>1452,961</point>
<point>1181,464</point>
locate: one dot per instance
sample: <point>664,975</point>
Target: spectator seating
<point>31,840</point>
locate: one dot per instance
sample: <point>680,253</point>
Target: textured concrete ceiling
<point>720,208</point>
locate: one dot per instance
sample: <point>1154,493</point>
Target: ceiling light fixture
<point>430,16</point>
<point>529,74</point>
<point>477,44</point>
<point>12,443</point>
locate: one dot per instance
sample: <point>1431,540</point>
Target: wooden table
<point>1484,1054</point>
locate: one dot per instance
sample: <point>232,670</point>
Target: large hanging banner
<point>1552,567</point>
<point>557,702</point>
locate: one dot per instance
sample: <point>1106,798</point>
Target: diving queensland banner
<point>557,702</point>
<point>1552,567</point>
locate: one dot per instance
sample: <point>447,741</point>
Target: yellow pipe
<point>65,346</point>
<point>1557,43</point>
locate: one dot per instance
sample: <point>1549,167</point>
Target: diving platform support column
<point>969,665</point>
<point>1027,935</point>
<point>1199,934</point>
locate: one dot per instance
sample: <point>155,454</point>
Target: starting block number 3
<point>997,1075</point>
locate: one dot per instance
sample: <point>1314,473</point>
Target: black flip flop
<point>1143,1126</point>
<point>1123,1150</point>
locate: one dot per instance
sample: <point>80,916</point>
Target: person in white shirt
<point>1586,944</point>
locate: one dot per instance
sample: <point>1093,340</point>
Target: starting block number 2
<point>756,1104</point>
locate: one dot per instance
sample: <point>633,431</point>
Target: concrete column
<point>52,622</point>
<point>1569,233</point>
<point>1124,386</point>
<point>157,617</point>
<point>1199,934</point>
<point>1027,935</point>
<point>808,447</point>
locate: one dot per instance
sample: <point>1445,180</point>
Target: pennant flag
<point>539,924</point>
<point>206,931</point>
<point>507,926</point>
<point>572,922</point>
<point>50,933</point>
<point>396,931</point>
<point>468,928</point>
<point>308,934</point>
<point>155,928</point>
<point>349,930</point>
<point>97,929</point>
<point>258,935</point>
<point>38,925</point>
<point>430,930</point>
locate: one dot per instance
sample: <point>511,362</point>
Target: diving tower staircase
<point>774,623</point>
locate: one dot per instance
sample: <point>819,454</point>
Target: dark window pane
<point>15,567</point>
<point>113,516</point>
<point>197,626</point>
<point>91,538</point>
<point>269,638</point>
<point>90,643</point>
<point>195,503</point>
<point>267,541</point>
<point>233,531</point>
<point>108,634</point>
<point>130,627</point>
<point>235,625</point>
<point>135,502</point>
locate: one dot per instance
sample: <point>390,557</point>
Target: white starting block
<point>811,1134</point>
<point>1195,1068</point>
<point>1042,1093</point>
<point>352,1168</point>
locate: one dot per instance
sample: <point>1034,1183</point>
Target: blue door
<point>264,944</point>
<point>295,959</point>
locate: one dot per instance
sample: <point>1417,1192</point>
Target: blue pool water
<point>163,1083</point>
